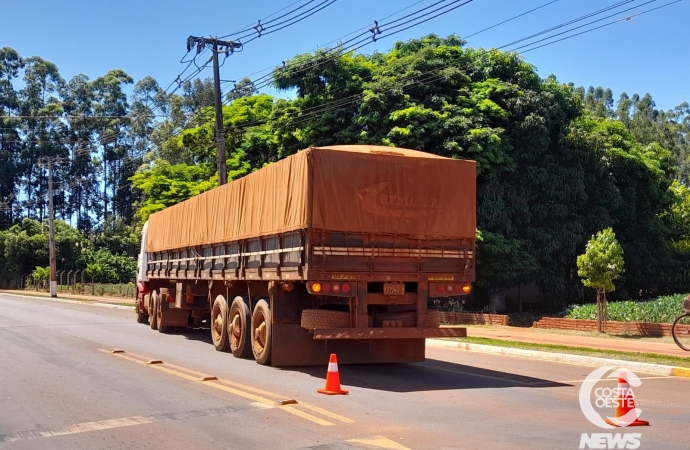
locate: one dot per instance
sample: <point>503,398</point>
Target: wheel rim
<point>217,324</point>
<point>259,334</point>
<point>236,329</point>
<point>681,332</point>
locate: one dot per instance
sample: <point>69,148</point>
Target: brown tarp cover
<point>350,188</point>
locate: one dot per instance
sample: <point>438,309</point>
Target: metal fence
<point>75,282</point>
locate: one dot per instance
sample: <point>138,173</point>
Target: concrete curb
<point>78,302</point>
<point>656,369</point>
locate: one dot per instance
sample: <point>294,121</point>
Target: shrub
<point>661,310</point>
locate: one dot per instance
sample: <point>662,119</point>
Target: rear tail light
<point>325,287</point>
<point>448,289</point>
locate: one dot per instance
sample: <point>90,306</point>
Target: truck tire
<point>261,333</point>
<point>142,317</point>
<point>153,319</point>
<point>324,318</point>
<point>219,324</point>
<point>433,318</point>
<point>159,316</point>
<point>239,328</point>
<point>408,318</point>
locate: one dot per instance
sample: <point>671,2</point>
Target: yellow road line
<point>203,375</point>
<point>380,442</point>
<point>326,413</point>
<point>239,389</point>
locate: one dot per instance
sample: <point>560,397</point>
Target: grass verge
<point>63,296</point>
<point>651,358</point>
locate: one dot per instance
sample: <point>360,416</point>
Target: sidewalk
<point>69,296</point>
<point>619,344</point>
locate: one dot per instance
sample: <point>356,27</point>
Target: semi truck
<point>337,249</point>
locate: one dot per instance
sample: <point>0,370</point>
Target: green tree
<point>40,275</point>
<point>111,101</point>
<point>114,268</point>
<point>243,88</point>
<point>26,246</point>
<point>600,265</point>
<point>10,143</point>
<point>94,270</point>
<point>163,184</point>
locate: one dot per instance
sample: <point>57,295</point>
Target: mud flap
<point>172,317</point>
<point>294,346</point>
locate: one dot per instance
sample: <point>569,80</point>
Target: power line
<point>261,30</point>
<point>508,20</point>
<point>266,22</point>
<point>53,117</point>
<point>570,22</point>
<point>582,26</point>
<point>366,32</point>
<point>624,19</point>
<point>378,29</point>
<point>349,101</point>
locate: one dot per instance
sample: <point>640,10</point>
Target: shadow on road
<point>202,334</point>
<point>431,375</point>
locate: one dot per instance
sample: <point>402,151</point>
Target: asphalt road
<point>60,388</point>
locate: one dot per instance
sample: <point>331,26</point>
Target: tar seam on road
<point>374,441</point>
<point>238,389</point>
<point>85,427</point>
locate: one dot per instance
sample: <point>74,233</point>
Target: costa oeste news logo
<point>596,396</point>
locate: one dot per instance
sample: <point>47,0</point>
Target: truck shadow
<point>431,375</point>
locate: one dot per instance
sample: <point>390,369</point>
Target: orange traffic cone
<point>627,415</point>
<point>332,379</point>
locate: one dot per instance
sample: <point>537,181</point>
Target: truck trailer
<point>335,249</point>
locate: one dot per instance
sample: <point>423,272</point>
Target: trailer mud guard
<point>295,346</point>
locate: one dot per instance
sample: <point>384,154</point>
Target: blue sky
<point>648,53</point>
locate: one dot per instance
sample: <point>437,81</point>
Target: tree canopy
<point>556,163</point>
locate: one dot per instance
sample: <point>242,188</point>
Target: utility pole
<point>217,46</point>
<point>51,233</point>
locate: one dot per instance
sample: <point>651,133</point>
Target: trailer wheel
<point>153,307</point>
<point>239,329</point>
<point>261,333</point>
<point>142,317</point>
<point>324,318</point>
<point>219,324</point>
<point>433,318</point>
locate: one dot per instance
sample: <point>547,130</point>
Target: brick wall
<point>451,318</point>
<point>630,328</point>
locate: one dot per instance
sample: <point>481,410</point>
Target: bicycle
<point>681,327</point>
